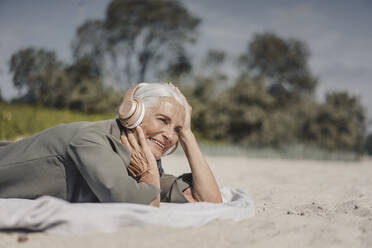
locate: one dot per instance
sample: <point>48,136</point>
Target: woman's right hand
<point>142,160</point>
<point>143,165</point>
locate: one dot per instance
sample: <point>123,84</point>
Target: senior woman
<point>113,160</point>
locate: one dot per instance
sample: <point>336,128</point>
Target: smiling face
<point>161,124</point>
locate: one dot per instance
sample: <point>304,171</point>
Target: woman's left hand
<point>187,124</point>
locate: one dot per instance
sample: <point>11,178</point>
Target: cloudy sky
<point>338,33</point>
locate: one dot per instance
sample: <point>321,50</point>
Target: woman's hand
<point>187,124</point>
<point>143,165</point>
<point>142,160</point>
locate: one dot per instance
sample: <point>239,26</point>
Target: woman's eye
<point>163,120</point>
<point>178,129</point>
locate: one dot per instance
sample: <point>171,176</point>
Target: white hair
<point>149,93</point>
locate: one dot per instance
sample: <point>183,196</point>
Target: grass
<point>23,120</point>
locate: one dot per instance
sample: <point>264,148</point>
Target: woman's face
<point>161,124</point>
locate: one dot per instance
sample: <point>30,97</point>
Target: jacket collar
<point>116,129</point>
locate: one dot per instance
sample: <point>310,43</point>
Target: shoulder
<point>93,130</point>
<point>102,137</point>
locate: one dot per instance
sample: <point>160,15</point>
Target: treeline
<point>268,102</point>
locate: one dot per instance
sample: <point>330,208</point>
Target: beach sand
<point>297,204</point>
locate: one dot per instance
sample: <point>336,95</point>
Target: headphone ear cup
<point>127,109</point>
<point>131,111</point>
<point>136,118</point>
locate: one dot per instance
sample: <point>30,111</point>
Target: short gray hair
<point>148,93</point>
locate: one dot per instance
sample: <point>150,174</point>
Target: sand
<point>297,204</point>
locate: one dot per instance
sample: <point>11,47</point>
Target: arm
<point>152,178</point>
<point>204,186</point>
<point>105,172</point>
<point>143,164</point>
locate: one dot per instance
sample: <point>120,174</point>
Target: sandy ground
<point>297,204</point>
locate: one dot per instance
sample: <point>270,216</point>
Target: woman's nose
<point>171,137</point>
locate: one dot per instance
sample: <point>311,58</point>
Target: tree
<point>137,38</point>
<point>247,105</point>
<point>207,80</point>
<point>349,104</point>
<point>32,71</point>
<point>339,123</point>
<point>179,67</point>
<point>214,59</point>
<point>283,63</point>
<point>48,82</point>
<point>239,114</point>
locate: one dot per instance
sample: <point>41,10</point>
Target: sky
<point>338,33</point>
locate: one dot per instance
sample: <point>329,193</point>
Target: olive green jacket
<point>79,162</point>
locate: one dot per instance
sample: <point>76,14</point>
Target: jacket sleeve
<point>105,171</point>
<point>172,187</point>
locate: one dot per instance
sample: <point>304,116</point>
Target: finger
<point>141,136</point>
<point>145,147</point>
<point>124,140</point>
<point>134,169</point>
<point>135,166</point>
<point>133,140</point>
<point>132,172</point>
<point>140,159</point>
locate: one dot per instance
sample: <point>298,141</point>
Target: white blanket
<point>57,216</point>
